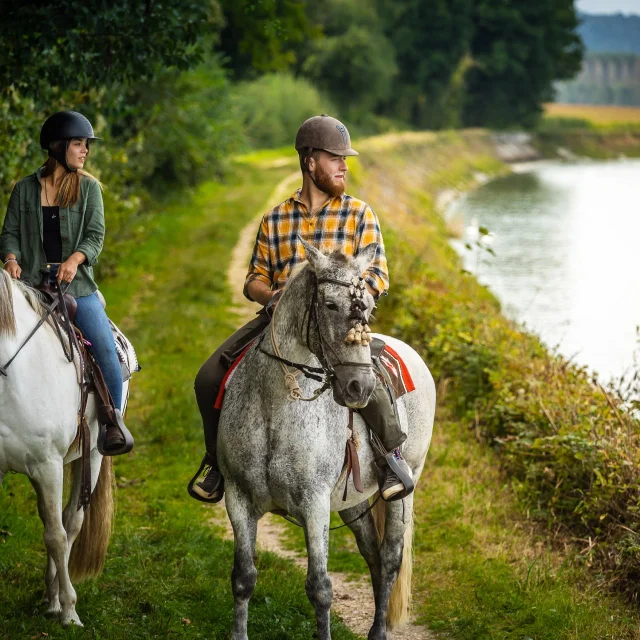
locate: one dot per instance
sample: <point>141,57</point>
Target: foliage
<point>518,50</point>
<point>354,62</point>
<point>260,36</point>
<point>566,444</point>
<point>86,44</point>
<point>272,108</point>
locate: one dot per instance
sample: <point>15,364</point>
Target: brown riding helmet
<point>325,133</point>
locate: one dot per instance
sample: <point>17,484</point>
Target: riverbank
<point>565,445</point>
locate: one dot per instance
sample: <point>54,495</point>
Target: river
<point>566,239</point>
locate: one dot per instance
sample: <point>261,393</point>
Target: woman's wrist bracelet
<point>6,262</point>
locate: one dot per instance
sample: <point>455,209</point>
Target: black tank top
<point>51,240</point>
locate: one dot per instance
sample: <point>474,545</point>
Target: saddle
<point>63,309</point>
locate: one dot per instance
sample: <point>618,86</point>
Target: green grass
<point>481,570</point>
<point>166,563</point>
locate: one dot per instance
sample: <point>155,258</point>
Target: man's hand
<point>12,267</point>
<point>68,269</point>
<point>270,307</point>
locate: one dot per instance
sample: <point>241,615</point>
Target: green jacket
<point>81,229</point>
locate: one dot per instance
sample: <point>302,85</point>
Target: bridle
<point>327,372</point>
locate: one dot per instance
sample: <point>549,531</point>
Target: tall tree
<point>261,35</point>
<point>519,49</point>
<point>430,40</point>
<point>81,44</point>
<point>354,62</point>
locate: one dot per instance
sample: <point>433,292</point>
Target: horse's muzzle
<point>354,388</point>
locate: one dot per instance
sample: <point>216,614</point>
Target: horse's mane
<point>7,317</point>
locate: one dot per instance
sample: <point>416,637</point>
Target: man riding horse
<point>325,217</point>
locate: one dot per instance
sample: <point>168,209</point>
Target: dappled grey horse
<point>279,453</point>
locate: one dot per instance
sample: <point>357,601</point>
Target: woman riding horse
<point>56,216</point>
<point>328,219</point>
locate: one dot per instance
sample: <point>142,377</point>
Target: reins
<point>49,309</point>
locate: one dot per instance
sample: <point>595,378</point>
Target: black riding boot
<point>395,478</point>
<point>208,485</point>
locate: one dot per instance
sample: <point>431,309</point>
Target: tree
<point>82,44</point>
<point>431,40</point>
<point>261,35</point>
<point>519,49</point>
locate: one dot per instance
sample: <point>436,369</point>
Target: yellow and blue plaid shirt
<point>343,223</point>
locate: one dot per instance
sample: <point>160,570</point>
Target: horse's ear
<point>316,259</point>
<point>362,261</point>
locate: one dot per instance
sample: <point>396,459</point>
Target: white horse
<point>282,455</point>
<point>39,403</point>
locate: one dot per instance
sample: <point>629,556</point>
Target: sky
<point>609,6</point>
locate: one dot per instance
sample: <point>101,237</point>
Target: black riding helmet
<point>65,125</point>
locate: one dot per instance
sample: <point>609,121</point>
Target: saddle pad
<point>223,386</point>
<point>126,353</point>
<point>397,372</point>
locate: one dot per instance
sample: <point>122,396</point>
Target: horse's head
<point>341,307</point>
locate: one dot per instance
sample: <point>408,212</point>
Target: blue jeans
<point>92,320</point>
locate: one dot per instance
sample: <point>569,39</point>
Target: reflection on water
<point>567,262</point>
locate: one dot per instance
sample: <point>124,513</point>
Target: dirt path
<point>352,600</point>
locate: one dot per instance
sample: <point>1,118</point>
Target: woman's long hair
<point>69,189</point>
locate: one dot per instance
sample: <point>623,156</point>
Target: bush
<point>273,107</point>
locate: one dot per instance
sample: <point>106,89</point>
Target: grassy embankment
<point>590,130</point>
<point>482,570</point>
<point>168,570</point>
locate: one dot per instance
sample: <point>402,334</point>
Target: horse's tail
<point>90,547</point>
<point>400,600</point>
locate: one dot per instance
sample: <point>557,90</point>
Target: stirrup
<point>205,463</point>
<point>102,436</point>
<point>402,475</point>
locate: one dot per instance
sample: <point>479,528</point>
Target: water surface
<point>567,263</point>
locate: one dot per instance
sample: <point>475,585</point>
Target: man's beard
<point>324,182</point>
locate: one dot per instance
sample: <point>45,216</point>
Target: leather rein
<point>327,372</point>
<point>58,302</point>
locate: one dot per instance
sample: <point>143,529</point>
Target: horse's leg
<point>318,584</point>
<point>47,481</point>
<point>364,529</point>
<point>398,518</point>
<point>244,521</point>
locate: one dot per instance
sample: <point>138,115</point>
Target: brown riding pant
<point>378,414</point>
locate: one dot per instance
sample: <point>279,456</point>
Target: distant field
<point>598,114</point>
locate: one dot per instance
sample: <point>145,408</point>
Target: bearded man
<point>323,215</point>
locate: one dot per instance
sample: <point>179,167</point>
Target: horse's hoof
<point>375,633</point>
<point>71,619</point>
<point>53,611</point>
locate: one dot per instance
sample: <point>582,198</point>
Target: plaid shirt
<point>343,223</point>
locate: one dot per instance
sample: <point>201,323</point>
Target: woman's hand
<point>13,269</point>
<point>68,269</point>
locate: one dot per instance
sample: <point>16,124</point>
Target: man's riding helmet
<point>325,133</point>
<point>65,125</point>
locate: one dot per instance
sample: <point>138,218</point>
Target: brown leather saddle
<point>63,309</point>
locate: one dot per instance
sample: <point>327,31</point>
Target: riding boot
<point>117,438</point>
<point>210,486</point>
<point>395,477</point>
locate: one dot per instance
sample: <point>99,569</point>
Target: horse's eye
<point>332,306</point>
